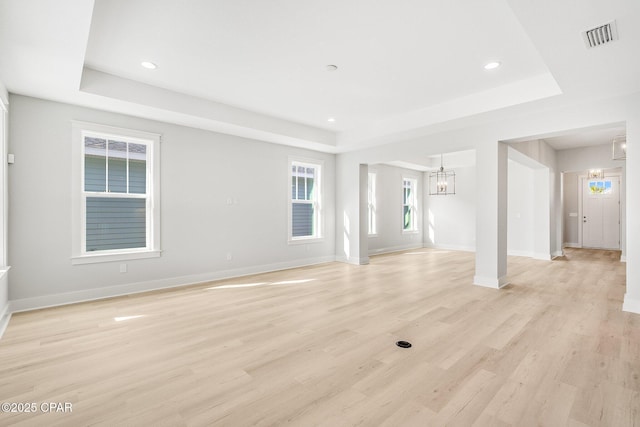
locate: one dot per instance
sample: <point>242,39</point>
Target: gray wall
<point>200,172</point>
<point>570,205</point>
<point>521,212</point>
<point>389,210</point>
<point>450,221</point>
<point>4,275</point>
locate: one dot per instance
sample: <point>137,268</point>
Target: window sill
<point>112,257</point>
<point>305,240</point>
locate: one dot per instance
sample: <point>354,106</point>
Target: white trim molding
<point>45,301</point>
<point>79,254</point>
<point>5,311</point>
<point>398,248</point>
<point>5,317</point>
<point>461,248</point>
<point>317,201</point>
<point>353,260</point>
<point>489,282</point>
<point>631,305</point>
<point>526,254</point>
<point>542,256</point>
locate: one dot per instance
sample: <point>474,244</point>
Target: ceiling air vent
<point>601,35</point>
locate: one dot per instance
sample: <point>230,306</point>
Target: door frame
<point>581,179</point>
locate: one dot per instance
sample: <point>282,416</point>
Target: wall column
<point>491,215</point>
<point>351,210</point>
<point>632,296</point>
<point>541,214</point>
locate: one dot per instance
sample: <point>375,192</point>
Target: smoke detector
<point>601,35</point>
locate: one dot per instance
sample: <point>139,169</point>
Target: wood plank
<point>316,346</point>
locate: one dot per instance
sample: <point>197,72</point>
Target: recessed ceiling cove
<point>269,59</point>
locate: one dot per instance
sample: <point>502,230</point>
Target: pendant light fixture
<point>596,174</point>
<point>442,182</point>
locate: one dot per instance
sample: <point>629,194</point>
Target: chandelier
<point>442,182</point>
<point>596,174</point>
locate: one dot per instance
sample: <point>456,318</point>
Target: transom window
<point>600,187</point>
<point>305,207</point>
<point>117,208</point>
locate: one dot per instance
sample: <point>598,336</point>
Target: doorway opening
<point>599,211</point>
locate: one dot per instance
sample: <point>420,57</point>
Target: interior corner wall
<point>200,172</point>
<point>520,235</point>
<point>570,208</point>
<point>547,193</point>
<point>450,221</point>
<point>390,236</point>
<point>347,208</point>
<point>4,273</point>
<point>632,295</point>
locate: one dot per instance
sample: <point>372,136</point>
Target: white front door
<point>601,213</point>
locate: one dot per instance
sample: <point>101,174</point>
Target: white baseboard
<point>623,258</point>
<point>45,301</point>
<point>557,254</point>
<point>534,255</point>
<point>398,248</point>
<point>5,310</point>
<point>353,260</point>
<point>5,317</point>
<point>571,245</point>
<point>520,253</point>
<point>632,305</point>
<point>489,282</point>
<point>445,247</point>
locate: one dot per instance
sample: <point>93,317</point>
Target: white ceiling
<point>271,56</point>
<point>586,138</point>
<point>450,160</point>
<point>258,69</point>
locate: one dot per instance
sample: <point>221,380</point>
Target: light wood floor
<point>316,346</point>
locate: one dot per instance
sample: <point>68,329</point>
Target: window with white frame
<point>116,205</point>
<point>305,211</point>
<point>372,203</point>
<point>409,204</point>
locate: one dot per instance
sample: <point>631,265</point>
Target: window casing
<point>305,207</point>
<point>409,205</point>
<point>371,197</point>
<point>116,194</point>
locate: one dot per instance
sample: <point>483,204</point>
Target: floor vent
<point>601,35</point>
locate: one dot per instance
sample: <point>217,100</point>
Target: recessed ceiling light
<point>331,119</point>
<point>149,65</point>
<point>332,67</point>
<point>492,65</point>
